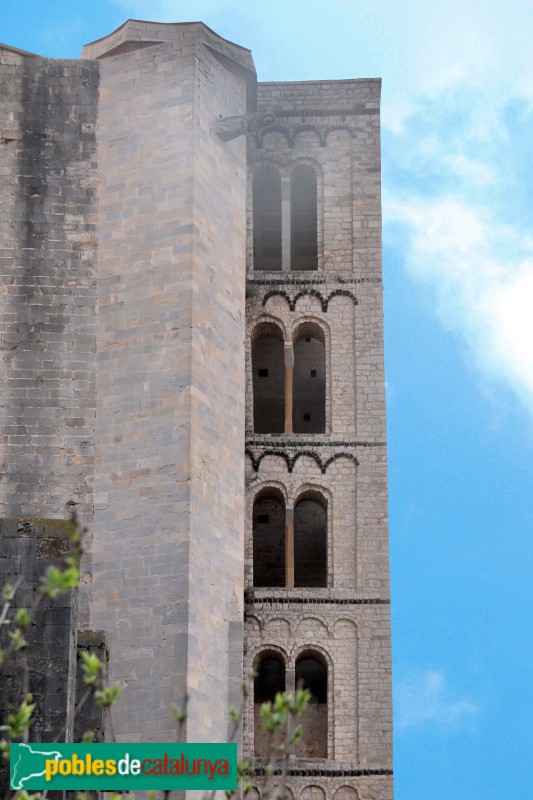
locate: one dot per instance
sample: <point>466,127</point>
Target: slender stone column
<point>289,549</point>
<point>290,680</point>
<point>289,368</point>
<point>290,686</point>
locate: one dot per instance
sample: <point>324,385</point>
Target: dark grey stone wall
<point>91,715</point>
<point>47,271</point>
<point>27,548</point>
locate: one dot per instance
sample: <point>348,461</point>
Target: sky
<point>457,127</point>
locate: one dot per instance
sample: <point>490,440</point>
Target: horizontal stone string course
<point>309,443</point>
<point>329,112</point>
<point>318,279</point>
<point>339,601</point>
<point>341,773</point>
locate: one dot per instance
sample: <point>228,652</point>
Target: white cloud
<point>481,271</point>
<point>455,192</point>
<point>424,698</point>
<point>474,172</point>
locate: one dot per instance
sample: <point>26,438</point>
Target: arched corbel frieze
<point>291,460</point>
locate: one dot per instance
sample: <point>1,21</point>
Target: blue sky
<point>458,273</point>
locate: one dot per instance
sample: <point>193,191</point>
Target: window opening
<point>268,369</point>
<point>310,542</point>
<point>266,199</point>
<point>269,680</point>
<point>269,540</point>
<point>312,674</point>
<point>309,380</point>
<point>304,250</point>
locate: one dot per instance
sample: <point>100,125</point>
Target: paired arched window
<point>290,545</point>
<point>285,219</point>
<point>289,380</point>
<point>311,673</point>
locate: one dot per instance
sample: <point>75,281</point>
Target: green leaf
<point>179,714</point>
<point>23,618</point>
<point>4,749</point>
<point>303,698</point>
<point>296,735</point>
<point>57,582</point>
<point>19,721</point>
<point>91,668</point>
<point>8,593</point>
<point>17,639</point>
<point>106,697</point>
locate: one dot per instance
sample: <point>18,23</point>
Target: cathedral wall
<point>147,361</point>
<point>27,549</point>
<point>167,550</point>
<point>48,278</point>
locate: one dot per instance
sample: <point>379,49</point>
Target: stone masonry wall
<point>47,277</point>
<point>332,127</point>
<point>168,532</point>
<point>27,548</point>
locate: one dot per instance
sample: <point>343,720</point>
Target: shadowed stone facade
<point>192,356</point>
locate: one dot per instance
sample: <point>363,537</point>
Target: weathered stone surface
<point>126,343</point>
<point>333,127</point>
<point>27,548</point>
<point>167,532</point>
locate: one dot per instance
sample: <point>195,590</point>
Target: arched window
<point>304,250</point>
<point>309,380</point>
<point>269,680</point>
<point>268,370</point>
<point>312,674</point>
<point>310,541</point>
<point>267,218</point>
<point>269,538</point>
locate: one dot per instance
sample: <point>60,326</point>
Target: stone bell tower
<point>316,560</point>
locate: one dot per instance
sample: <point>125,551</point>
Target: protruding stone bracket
<point>228,128</point>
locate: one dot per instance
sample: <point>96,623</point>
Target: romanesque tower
<point>316,562</point>
<point>192,357</point>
